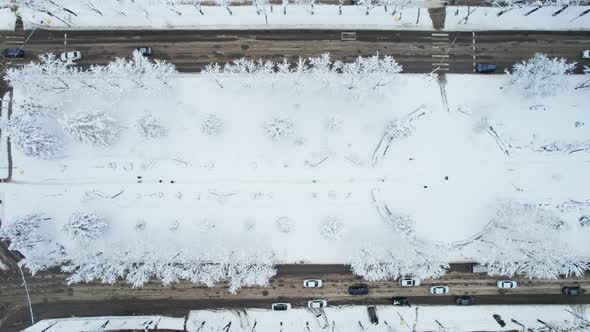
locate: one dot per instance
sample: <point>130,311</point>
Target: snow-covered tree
<point>400,257</point>
<point>332,228</point>
<point>285,224</point>
<point>333,123</point>
<point>279,129</point>
<point>22,232</point>
<point>525,239</point>
<point>93,127</point>
<point>151,127</point>
<point>50,74</point>
<point>85,226</point>
<point>31,139</point>
<point>211,125</point>
<point>541,75</point>
<point>307,4</point>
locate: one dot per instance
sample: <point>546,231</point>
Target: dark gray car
<point>464,300</point>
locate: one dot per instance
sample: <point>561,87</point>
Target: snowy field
<point>155,16</point>
<point>486,18</point>
<point>111,14</point>
<point>296,166</point>
<point>340,319</point>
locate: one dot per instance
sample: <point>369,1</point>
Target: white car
<point>316,304</point>
<point>439,289</point>
<point>506,284</point>
<point>586,54</point>
<point>312,283</point>
<point>71,56</point>
<point>409,282</point>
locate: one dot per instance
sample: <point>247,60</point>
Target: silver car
<point>439,289</point>
<point>506,284</point>
<point>71,56</point>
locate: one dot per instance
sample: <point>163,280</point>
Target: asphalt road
<point>52,297</point>
<point>417,51</point>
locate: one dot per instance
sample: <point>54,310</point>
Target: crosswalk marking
<point>440,51</point>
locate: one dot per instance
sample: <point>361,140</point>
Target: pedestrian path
<point>440,51</point>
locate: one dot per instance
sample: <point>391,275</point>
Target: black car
<point>13,53</point>
<point>499,320</point>
<point>464,300</point>
<point>572,291</point>
<point>373,315</point>
<point>358,289</point>
<point>400,301</point>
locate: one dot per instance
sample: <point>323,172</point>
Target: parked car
<point>409,282</point>
<point>572,290</point>
<point>485,67</point>
<point>312,283</point>
<point>464,300</point>
<point>145,51</point>
<point>506,284</point>
<point>281,306</point>
<point>439,289</point>
<point>400,301</point>
<point>358,289</point>
<point>13,53</point>
<point>316,304</point>
<point>372,311</point>
<point>71,56</point>
<point>499,320</point>
<point>586,54</point>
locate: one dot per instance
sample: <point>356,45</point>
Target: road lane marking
<point>473,47</point>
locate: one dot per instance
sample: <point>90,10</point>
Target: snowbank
<point>108,323</point>
<point>7,19</point>
<point>486,18</point>
<point>242,18</point>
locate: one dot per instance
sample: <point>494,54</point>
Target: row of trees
<point>89,260</point>
<point>364,74</point>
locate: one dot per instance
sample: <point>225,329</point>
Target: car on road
<point>586,54</point>
<point>144,50</point>
<point>439,289</point>
<point>316,304</point>
<point>281,306</point>
<point>464,300</point>
<point>506,284</point>
<point>312,283</point>
<point>572,290</point>
<point>358,289</point>
<point>71,56</point>
<point>399,300</point>
<point>409,282</point>
<point>485,67</point>
<point>13,53</point>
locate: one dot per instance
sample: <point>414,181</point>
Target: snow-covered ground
<point>486,18</point>
<point>341,319</point>
<point>111,14</point>
<point>7,19</point>
<point>241,182</point>
<point>216,17</point>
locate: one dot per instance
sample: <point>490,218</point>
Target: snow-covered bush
<point>31,139</point>
<point>400,257</point>
<point>22,232</point>
<point>279,128</point>
<point>96,128</point>
<point>211,125</point>
<point>85,226</point>
<point>541,75</point>
<point>333,123</point>
<point>398,129</point>
<point>524,239</point>
<point>285,224</point>
<point>401,223</point>
<point>151,127</point>
<point>140,225</point>
<point>332,228</point>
